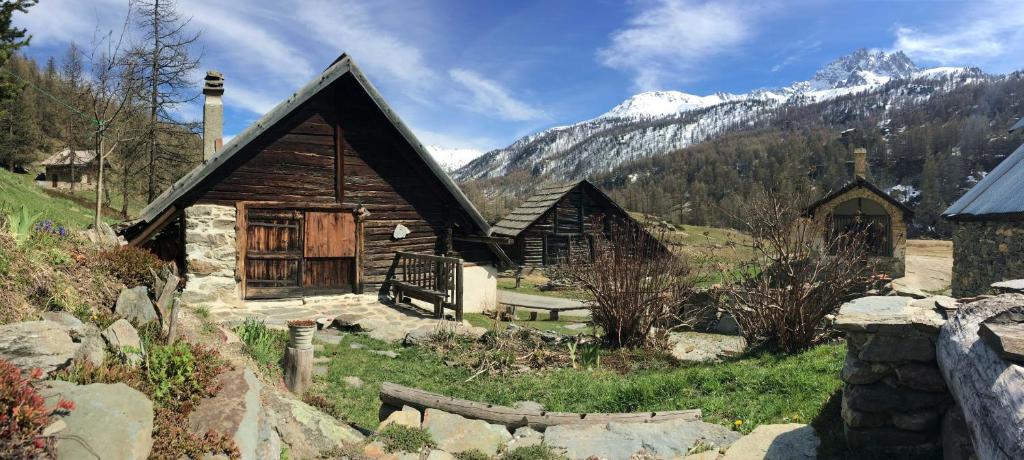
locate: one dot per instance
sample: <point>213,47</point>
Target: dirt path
<point>929,265</point>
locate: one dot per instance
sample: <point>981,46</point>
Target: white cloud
<point>669,38</point>
<point>351,27</point>
<point>990,33</point>
<point>490,98</point>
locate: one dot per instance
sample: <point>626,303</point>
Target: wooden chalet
<point>558,219</point>
<point>327,193</point>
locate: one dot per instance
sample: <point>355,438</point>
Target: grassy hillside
<point>17,190</point>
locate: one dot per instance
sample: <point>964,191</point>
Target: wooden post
<point>298,359</point>
<point>458,291</point>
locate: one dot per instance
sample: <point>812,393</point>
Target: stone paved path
<point>380,320</point>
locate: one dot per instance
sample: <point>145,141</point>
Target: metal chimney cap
<point>213,83</point>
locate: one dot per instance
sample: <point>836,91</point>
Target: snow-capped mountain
<point>452,159</point>
<point>658,122</point>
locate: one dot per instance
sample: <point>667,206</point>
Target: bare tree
<point>636,283</point>
<point>110,90</point>
<point>166,67</point>
<point>798,274</point>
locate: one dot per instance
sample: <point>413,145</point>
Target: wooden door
<point>273,253</point>
<point>329,251</point>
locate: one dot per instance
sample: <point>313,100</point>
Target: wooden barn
<point>327,193</point>
<point>556,219</point>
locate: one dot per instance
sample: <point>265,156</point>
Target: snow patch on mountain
<point>452,159</point>
<point>663,103</point>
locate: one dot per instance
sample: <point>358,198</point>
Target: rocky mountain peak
<point>864,67</point>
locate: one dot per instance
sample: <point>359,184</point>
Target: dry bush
<point>635,283</point>
<point>780,298</point>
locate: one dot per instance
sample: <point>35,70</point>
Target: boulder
<point>454,433</point>
<point>66,319</point>
<point>672,439</point>
<point>46,345</point>
<point>235,411</point>
<point>109,420</point>
<point>307,431</point>
<point>92,350</point>
<point>417,337</point>
<point>698,347</point>
<point>122,338</point>
<point>408,416</point>
<point>134,305</point>
<point>789,441</point>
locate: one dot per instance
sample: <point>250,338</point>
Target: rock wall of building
<point>986,252</point>
<point>210,255</point>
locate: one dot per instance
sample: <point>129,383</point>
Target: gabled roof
<point>861,182</point>
<point>1018,125</point>
<point>543,199</point>
<point>66,157</point>
<point>177,194</point>
<point>1000,195</point>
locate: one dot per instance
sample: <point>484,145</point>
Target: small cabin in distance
<point>69,169</point>
<point>558,220</point>
<point>860,206</point>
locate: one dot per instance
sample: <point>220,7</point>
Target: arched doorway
<point>868,217</point>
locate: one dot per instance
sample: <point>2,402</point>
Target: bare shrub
<point>795,278</point>
<point>635,282</point>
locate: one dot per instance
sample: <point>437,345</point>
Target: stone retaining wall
<point>894,396</point>
<point>985,253</point>
<point>210,255</point>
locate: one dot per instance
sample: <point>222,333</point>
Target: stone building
<point>861,206</point>
<point>69,169</point>
<point>322,195</point>
<point>988,238</point>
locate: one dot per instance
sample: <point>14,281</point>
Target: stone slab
<point>108,421</point>
<point>889,315</point>
<point>455,434</point>
<point>46,345</point>
<point>698,347</point>
<point>672,439</point>
<point>789,441</point>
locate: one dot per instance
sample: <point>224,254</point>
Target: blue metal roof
<point>999,194</point>
<point>1018,125</point>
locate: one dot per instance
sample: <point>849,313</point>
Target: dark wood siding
<point>296,162</point>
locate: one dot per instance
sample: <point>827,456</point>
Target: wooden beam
<point>241,245</point>
<point>158,224</point>
<point>339,160</point>
<point>398,396</point>
<point>506,241</point>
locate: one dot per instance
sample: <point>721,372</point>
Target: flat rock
<point>1010,286</point>
<point>789,441</point>
<point>121,337</point>
<point>889,314</point>
<point>385,353</point>
<point>525,437</point>
<point>353,381</point>
<point>672,439</point>
<point>454,434</point>
<point>134,305</point>
<point>67,320</point>
<point>46,345</point>
<point>308,432</point>
<point>698,347</point>
<point>109,420</point>
<point>235,411</point>
<point>408,416</point>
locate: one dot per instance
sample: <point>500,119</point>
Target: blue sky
<point>479,74</point>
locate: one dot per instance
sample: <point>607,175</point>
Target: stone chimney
<point>213,113</point>
<point>860,163</point>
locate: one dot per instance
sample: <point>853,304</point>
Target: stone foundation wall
<point>985,253</point>
<point>894,396</point>
<point>210,255</point>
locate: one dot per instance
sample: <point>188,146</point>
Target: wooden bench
<point>511,308</point>
<point>430,278</point>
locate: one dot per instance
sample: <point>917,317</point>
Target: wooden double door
<point>295,252</point>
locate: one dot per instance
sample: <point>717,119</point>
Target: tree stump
<point>298,369</point>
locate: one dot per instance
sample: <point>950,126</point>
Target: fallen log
<point>988,388</point>
<point>396,396</point>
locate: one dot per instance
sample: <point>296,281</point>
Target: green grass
<point>759,389</point>
<point>17,190</point>
<point>264,345</point>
